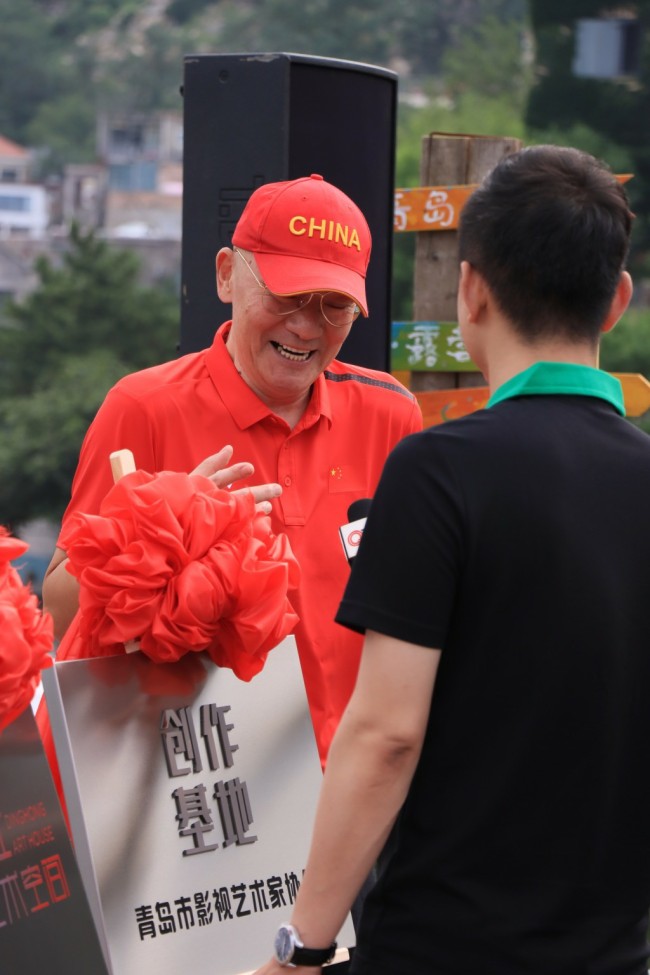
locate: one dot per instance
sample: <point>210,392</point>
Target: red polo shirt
<point>175,415</point>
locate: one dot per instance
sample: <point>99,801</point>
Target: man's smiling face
<point>279,357</point>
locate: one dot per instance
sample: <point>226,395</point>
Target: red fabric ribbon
<point>26,634</point>
<point>180,565</point>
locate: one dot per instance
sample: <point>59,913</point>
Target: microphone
<point>351,532</point>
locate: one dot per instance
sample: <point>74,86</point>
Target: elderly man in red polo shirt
<point>308,433</point>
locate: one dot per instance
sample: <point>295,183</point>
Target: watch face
<point>284,944</point>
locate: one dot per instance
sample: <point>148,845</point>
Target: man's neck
<point>290,411</point>
<point>510,358</point>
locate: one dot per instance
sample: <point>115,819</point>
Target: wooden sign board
<point>441,405</point>
<point>191,796</point>
<point>429,207</point>
<point>429,347</point>
<point>45,921</point>
<point>636,392</point>
<point>436,207</point>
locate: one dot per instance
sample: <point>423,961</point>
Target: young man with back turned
<point>497,744</point>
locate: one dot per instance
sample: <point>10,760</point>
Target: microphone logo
<point>352,533</point>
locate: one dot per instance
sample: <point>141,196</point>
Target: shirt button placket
<point>290,500</point>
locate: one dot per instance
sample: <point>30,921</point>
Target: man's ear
<point>620,301</point>
<point>472,292</point>
<point>224,264</point>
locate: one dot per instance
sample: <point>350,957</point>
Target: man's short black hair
<point>549,230</point>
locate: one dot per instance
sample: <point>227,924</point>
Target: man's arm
<point>60,593</point>
<point>369,770</point>
<point>61,589</point>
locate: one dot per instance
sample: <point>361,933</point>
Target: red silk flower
<point>180,565</point>
<point>26,635</point>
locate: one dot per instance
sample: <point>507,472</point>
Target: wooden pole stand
<point>448,160</point>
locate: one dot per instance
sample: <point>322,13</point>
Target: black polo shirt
<point>516,540</point>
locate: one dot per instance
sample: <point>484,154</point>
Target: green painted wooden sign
<point>429,347</point>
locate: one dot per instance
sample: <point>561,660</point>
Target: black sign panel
<point>45,920</point>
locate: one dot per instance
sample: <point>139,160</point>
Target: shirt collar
<point>563,379</point>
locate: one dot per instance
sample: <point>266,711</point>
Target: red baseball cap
<point>307,235</point>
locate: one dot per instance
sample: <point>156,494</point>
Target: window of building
<point>14,204</point>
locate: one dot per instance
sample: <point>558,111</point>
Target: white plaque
<point>191,796</point>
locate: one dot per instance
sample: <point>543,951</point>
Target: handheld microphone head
<point>359,509</point>
<point>351,532</point>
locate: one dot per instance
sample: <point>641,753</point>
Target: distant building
<point>83,199</point>
<point>132,196</point>
<point>15,162</point>
<point>17,276</point>
<point>607,47</point>
<point>134,147</point>
<point>142,156</point>
<point>24,210</point>
<point>143,215</point>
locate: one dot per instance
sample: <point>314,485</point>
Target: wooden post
<point>123,463</point>
<point>450,160</point>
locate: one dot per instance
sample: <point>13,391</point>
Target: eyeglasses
<point>333,306</point>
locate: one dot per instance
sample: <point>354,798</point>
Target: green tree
<point>62,60</point>
<point>183,11</point>
<point>377,32</point>
<point>93,301</point>
<point>65,129</point>
<point>42,434</point>
<point>470,111</point>
<point>146,79</point>
<point>326,28</point>
<point>73,18</point>
<point>615,108</point>
<point>472,65</point>
<point>32,68</point>
<point>85,325</point>
<point>627,347</point>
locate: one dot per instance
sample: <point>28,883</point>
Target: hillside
<point>63,61</point>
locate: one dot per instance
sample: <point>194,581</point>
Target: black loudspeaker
<point>251,119</point>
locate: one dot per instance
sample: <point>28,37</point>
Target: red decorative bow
<point>180,565</point>
<point>26,634</point>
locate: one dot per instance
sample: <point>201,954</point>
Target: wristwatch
<point>289,949</point>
